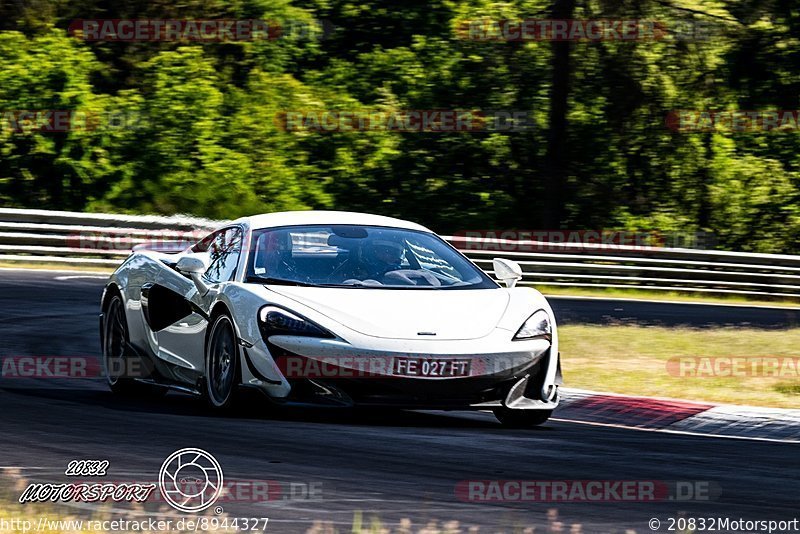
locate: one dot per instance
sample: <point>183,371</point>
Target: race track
<point>392,466</point>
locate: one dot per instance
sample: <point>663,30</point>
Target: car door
<point>182,342</point>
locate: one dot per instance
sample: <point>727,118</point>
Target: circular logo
<point>190,480</point>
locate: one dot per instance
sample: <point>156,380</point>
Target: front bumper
<point>326,372</point>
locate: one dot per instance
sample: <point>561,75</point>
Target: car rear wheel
<point>118,360</point>
<point>222,363</point>
<point>522,418</point>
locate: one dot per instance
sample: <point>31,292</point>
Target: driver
<point>382,256</point>
<point>381,262</point>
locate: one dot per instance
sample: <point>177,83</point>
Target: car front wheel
<point>222,363</point>
<point>121,366</point>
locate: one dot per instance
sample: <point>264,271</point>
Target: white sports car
<point>331,309</point>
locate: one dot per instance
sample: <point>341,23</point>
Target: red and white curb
<point>681,416</point>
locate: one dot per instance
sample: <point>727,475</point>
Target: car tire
<point>522,418</point>
<point>222,372</point>
<point>118,355</point>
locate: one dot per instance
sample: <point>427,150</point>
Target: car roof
<point>298,218</point>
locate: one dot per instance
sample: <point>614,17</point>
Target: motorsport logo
<point>87,492</point>
<point>190,480</point>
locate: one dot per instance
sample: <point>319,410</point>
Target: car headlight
<point>538,325</point>
<point>274,321</point>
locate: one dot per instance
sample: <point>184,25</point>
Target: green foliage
<point>756,207</point>
<point>194,128</point>
<point>57,170</point>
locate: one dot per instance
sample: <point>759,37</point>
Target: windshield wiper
<point>269,280</point>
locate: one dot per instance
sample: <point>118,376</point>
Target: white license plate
<point>429,367</point>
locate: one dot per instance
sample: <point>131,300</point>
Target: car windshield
<point>360,257</point>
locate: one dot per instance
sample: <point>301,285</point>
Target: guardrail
<point>626,267</point>
<point>102,241</point>
<point>94,240</point>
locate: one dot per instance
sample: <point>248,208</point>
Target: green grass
<point>633,360</point>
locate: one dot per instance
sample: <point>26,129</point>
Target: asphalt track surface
<point>393,466</point>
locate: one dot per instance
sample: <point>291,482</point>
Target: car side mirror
<point>508,271</point>
<point>194,266</point>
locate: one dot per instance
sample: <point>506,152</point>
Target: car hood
<point>404,314</point>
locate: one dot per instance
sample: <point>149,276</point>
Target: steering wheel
<point>413,277</point>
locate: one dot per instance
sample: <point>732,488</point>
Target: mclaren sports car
<point>322,308</point>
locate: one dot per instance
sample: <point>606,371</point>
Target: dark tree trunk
<point>556,158</point>
<point>704,201</point>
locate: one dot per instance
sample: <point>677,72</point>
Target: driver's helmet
<point>385,253</point>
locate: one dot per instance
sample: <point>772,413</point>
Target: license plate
<point>433,368</point>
